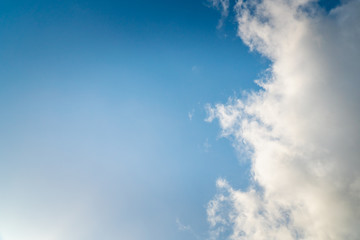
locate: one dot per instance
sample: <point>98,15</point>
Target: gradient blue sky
<point>95,99</point>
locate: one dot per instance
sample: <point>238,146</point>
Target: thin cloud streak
<point>223,7</point>
<point>300,130</point>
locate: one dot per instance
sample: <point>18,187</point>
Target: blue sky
<point>95,99</point>
<point>103,132</point>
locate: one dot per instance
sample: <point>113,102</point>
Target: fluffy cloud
<point>301,131</point>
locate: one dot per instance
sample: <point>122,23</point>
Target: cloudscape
<point>300,130</point>
<point>173,120</point>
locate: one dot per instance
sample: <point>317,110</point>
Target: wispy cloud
<point>182,227</point>
<point>206,145</point>
<point>186,228</point>
<point>223,7</point>
<point>301,130</point>
<point>191,114</point>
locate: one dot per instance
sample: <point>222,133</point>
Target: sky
<point>187,119</point>
<point>102,117</point>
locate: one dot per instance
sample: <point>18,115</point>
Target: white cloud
<point>301,130</point>
<point>182,227</point>
<point>223,6</point>
<point>186,228</point>
<point>206,145</point>
<point>191,114</point>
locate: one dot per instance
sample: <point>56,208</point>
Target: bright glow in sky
<point>102,131</point>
